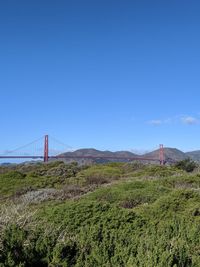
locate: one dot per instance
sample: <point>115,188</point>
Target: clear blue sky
<point>109,74</point>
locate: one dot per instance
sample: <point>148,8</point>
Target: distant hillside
<point>95,152</point>
<point>170,153</point>
<point>194,155</point>
<point>106,156</point>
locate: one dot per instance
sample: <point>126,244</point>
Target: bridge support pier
<point>46,148</point>
<point>161,155</point>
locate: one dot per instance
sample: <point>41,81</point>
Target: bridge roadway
<point>80,157</point>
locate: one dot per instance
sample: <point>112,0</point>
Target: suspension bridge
<point>45,154</point>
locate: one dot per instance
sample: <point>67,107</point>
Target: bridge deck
<point>79,157</point>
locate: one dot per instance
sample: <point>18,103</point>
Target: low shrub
<point>101,174</point>
<point>14,175</point>
<point>187,165</point>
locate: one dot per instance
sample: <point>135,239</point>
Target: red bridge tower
<point>46,148</point>
<point>161,155</point>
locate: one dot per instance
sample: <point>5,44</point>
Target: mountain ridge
<point>170,153</point>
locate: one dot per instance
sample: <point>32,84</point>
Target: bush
<point>14,252</point>
<point>101,174</point>
<point>14,175</point>
<point>135,222</point>
<point>187,165</point>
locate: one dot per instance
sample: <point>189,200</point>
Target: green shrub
<point>14,251</point>
<point>187,165</point>
<point>101,174</point>
<point>14,175</point>
<point>137,222</point>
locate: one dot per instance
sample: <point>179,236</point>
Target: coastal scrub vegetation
<point>110,215</point>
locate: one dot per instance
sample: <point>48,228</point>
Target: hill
<point>100,156</point>
<point>170,153</point>
<point>194,155</point>
<point>106,156</point>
